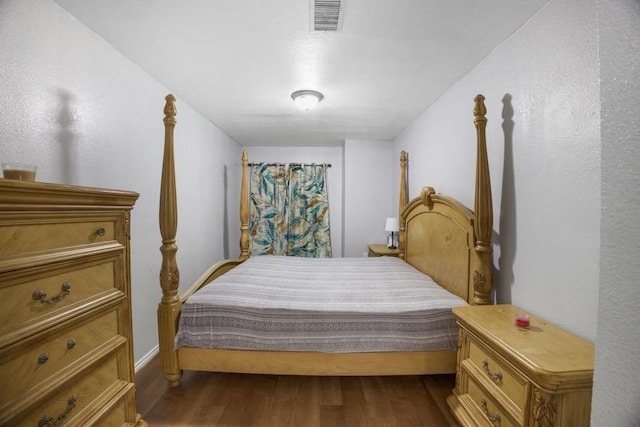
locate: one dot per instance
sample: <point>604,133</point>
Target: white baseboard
<point>146,358</point>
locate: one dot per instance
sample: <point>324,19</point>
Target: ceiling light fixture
<point>307,99</point>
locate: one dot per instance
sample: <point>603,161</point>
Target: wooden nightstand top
<point>376,249</point>
<point>543,348</point>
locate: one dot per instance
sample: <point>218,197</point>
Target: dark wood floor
<point>212,399</point>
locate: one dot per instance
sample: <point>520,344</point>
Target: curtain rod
<point>293,163</point>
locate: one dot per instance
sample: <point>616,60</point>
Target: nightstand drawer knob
<point>496,378</point>
<point>494,418</point>
<point>101,231</point>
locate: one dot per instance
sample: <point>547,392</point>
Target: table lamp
<point>392,226</point>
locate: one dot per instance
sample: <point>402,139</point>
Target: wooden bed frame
<point>438,235</point>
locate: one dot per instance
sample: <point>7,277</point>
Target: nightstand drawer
<point>483,403</point>
<point>508,384</point>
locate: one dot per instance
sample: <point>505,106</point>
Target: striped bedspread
<point>321,304</point>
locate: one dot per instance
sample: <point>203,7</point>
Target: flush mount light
<point>306,99</point>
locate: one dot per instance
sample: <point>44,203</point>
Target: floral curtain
<point>267,222</point>
<point>289,210</point>
<point>308,210</point>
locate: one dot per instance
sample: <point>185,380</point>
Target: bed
<point>441,242</point>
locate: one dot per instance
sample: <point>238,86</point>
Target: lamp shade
<point>392,225</point>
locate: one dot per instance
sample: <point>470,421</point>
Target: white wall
<point>332,155</point>
<point>86,115</point>
<point>542,97</point>
<point>616,398</point>
<point>368,195</point>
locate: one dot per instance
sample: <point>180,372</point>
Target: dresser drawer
<point>508,384</point>
<point>116,418</point>
<point>68,401</point>
<point>44,297</point>
<point>42,361</point>
<point>20,237</point>
<point>121,412</point>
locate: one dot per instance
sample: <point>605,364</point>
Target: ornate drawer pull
<point>496,378</point>
<point>42,359</point>
<point>100,231</point>
<point>71,343</point>
<point>40,295</point>
<point>48,421</point>
<point>494,418</point>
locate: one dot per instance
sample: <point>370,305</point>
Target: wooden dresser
<point>510,376</point>
<point>65,306</point>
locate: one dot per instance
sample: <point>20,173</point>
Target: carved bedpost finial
<point>480,110</point>
<point>403,158</point>
<point>170,110</point>
<point>244,208</point>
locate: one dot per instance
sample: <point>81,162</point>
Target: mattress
<point>336,305</point>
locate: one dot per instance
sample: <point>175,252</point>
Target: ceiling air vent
<point>326,15</point>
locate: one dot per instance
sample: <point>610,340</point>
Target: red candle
<point>522,321</point>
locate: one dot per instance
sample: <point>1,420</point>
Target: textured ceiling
<point>237,61</point>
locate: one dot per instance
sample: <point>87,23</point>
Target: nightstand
<point>511,376</point>
<point>382,250</point>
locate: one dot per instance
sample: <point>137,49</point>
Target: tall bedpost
<point>169,306</point>
<point>244,208</point>
<point>403,200</point>
<point>402,203</point>
<point>483,208</point>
